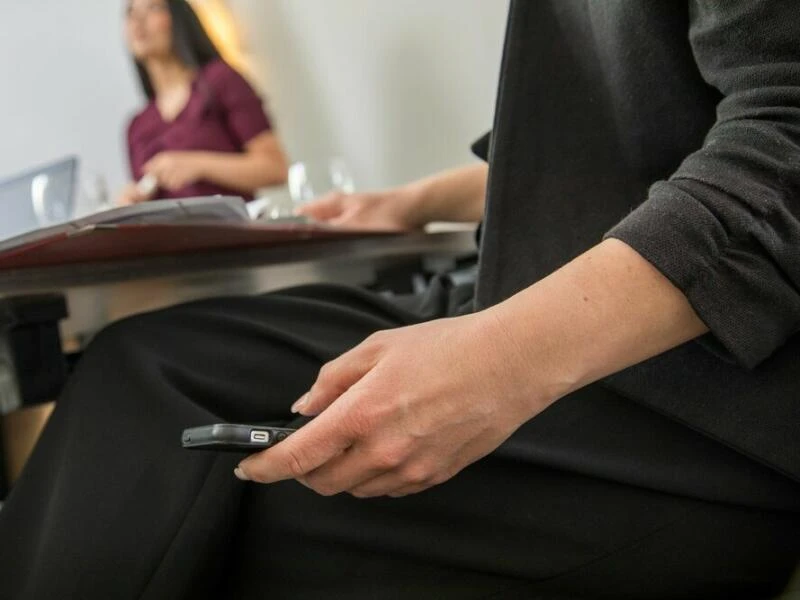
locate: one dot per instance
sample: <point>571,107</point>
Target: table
<point>100,293</point>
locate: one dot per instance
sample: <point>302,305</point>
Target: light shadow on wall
<point>284,63</point>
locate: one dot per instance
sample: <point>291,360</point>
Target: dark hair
<point>190,42</point>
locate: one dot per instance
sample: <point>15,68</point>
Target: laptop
<point>42,197</point>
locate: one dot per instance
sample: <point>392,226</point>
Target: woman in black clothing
<point>501,457</point>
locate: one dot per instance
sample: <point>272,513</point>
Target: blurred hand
<point>406,410</point>
<point>384,211</point>
<point>131,195</point>
<point>175,170</point>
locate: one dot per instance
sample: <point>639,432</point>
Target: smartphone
<point>234,438</point>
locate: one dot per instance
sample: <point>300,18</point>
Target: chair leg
<point>20,432</point>
<point>33,370</point>
<point>3,469</point>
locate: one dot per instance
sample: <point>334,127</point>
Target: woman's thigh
<point>110,483</point>
<point>505,529</point>
<point>109,495</point>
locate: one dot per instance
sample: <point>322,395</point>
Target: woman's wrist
<point>535,382</point>
<point>533,354</point>
<point>413,200</point>
<point>454,195</point>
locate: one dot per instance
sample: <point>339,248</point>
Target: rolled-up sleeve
<point>725,228</point>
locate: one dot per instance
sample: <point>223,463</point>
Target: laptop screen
<point>39,198</point>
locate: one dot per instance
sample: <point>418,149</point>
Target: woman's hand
<point>391,210</point>
<point>453,195</point>
<point>406,410</point>
<point>131,195</point>
<point>410,408</point>
<point>176,170</point>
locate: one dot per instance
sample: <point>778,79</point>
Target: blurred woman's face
<point>148,29</point>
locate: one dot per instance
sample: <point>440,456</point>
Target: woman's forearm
<point>246,172</point>
<point>605,311</point>
<point>455,195</point>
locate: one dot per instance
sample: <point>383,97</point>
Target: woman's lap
<point>111,506</point>
<point>503,530</point>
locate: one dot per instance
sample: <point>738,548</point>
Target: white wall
<point>398,88</point>
<point>67,85</point>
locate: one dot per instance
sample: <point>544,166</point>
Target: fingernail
<point>300,404</point>
<point>240,474</point>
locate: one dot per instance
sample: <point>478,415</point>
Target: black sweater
<point>675,127</point>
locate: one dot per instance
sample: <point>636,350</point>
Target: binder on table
<point>162,227</point>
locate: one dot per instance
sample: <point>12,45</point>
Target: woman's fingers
<point>338,376</point>
<point>299,454</point>
<point>368,211</point>
<point>352,468</point>
<point>324,209</point>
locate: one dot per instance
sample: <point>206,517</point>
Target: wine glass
<point>308,181</point>
<point>305,182</point>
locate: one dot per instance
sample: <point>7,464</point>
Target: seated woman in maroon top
<point>204,131</point>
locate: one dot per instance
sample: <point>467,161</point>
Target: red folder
<point>102,243</point>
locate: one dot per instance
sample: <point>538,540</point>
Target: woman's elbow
<point>271,164</point>
<point>279,169</point>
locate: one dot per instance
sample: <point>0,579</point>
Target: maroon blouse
<point>223,114</point>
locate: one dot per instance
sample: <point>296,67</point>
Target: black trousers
<point>596,498</point>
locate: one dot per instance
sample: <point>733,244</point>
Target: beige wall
<point>397,88</point>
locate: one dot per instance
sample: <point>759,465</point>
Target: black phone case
<point>228,437</point>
